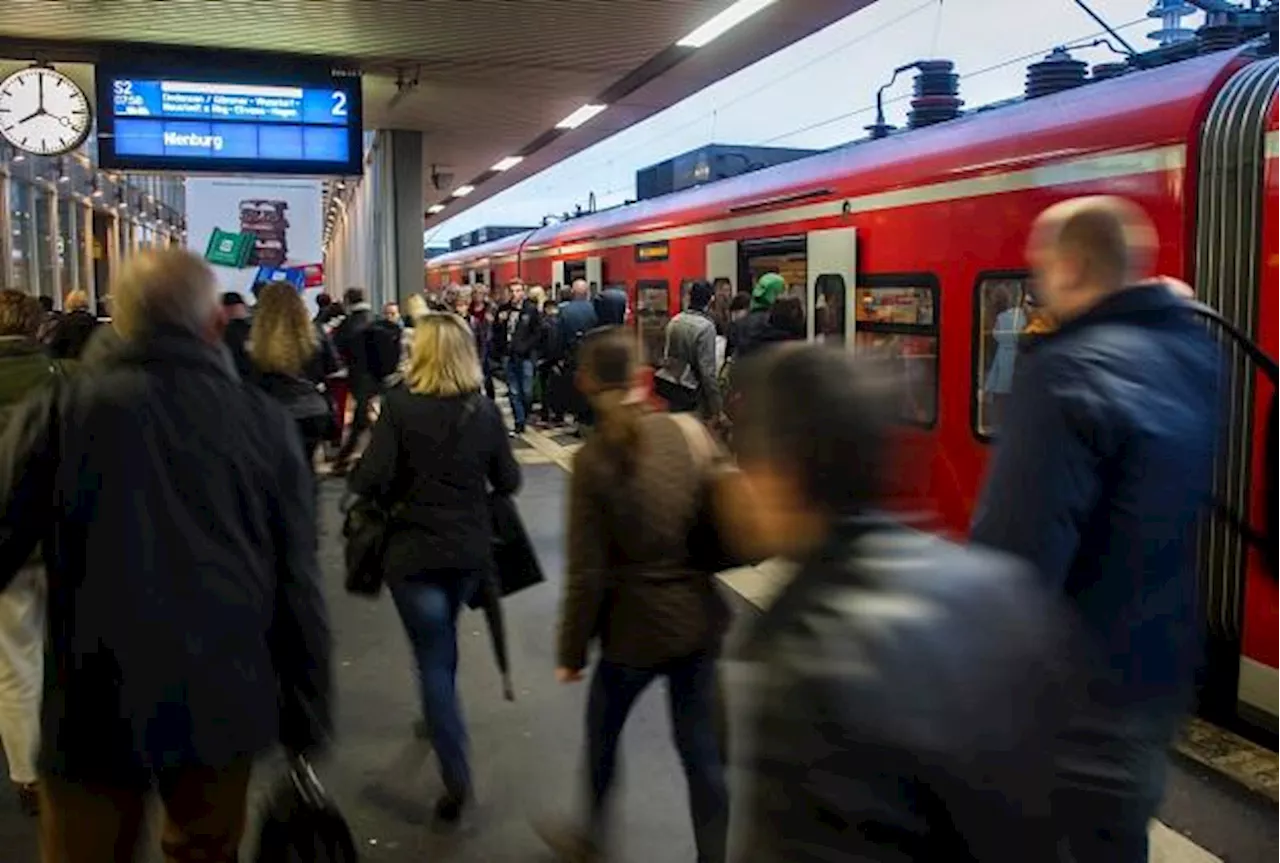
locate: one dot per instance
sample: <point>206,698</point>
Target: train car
<point>912,247</point>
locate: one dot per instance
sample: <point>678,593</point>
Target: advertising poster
<point>282,217</point>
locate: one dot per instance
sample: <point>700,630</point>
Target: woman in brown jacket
<point>637,491</point>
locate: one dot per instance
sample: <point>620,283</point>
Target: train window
<point>897,322</point>
<point>828,308</point>
<point>1005,318</point>
<point>653,310</point>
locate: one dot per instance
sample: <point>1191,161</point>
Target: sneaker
<point>28,798</point>
<point>568,843</point>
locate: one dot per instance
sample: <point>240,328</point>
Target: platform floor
<point>527,754</point>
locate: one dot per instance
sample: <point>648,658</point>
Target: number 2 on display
<point>339,103</point>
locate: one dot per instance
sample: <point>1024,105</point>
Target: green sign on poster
<point>229,249</point>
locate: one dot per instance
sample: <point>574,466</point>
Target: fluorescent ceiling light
<point>508,163</point>
<point>726,20</point>
<point>580,116</point>
<point>435,208</point>
<point>463,191</point>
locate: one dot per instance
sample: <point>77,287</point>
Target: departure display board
<point>189,123</point>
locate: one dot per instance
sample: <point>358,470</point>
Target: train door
<point>722,263</point>
<point>594,274</point>
<point>574,270</point>
<point>832,262</point>
<point>782,255</point>
<point>559,287</point>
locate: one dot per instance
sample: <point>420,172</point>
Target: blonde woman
<point>287,352</point>
<point>436,449</point>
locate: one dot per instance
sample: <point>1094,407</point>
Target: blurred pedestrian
<point>1101,475</point>
<point>73,327</point>
<point>480,317</point>
<point>518,322</point>
<point>905,691</point>
<point>752,331</point>
<point>635,497</point>
<point>611,307</point>
<point>186,632</point>
<point>551,365</point>
<point>687,377</point>
<point>362,382</point>
<point>436,449</point>
<point>289,363</point>
<point>25,368</point>
<point>235,331</point>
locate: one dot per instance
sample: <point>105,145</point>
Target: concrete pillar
<point>406,215</point>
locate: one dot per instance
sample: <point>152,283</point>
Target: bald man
<point>1102,469</point>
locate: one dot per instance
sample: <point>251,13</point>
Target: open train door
<point>832,264</point>
<point>595,275</point>
<point>722,262</point>
<point>559,290</point>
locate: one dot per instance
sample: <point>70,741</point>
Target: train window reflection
<point>896,323</point>
<point>653,310</point>
<point>1006,318</point>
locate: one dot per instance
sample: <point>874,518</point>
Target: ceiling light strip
<point>581,116</point>
<point>722,23</point>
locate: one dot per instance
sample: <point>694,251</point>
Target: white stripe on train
<point>1085,169</point>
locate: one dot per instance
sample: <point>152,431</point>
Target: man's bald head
<point>1085,248</point>
<point>168,288</point>
<point>579,290</point>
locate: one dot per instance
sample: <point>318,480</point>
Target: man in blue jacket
<point>1103,467</point>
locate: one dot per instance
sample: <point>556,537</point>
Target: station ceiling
<point>482,79</point>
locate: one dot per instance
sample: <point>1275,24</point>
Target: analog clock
<point>43,112</point>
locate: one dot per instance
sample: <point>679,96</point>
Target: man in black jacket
<point>520,321</point>
<point>906,690</point>
<point>1102,472</point>
<point>353,348</point>
<point>186,629</point>
<point>235,331</point>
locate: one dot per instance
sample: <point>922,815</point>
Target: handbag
<point>365,528</point>
<point>302,824</point>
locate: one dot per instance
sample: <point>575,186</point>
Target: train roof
<point>1142,109</point>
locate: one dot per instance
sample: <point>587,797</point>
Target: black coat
<point>236,338</point>
<point>348,338</point>
<point>611,307</point>
<point>70,334</point>
<point>907,696</point>
<point>185,622</point>
<point>431,461</point>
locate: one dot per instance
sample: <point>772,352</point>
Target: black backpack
<point>1264,539</point>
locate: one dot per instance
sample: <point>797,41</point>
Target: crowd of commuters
<point>162,624</point>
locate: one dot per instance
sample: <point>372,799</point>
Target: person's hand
<point>568,675</point>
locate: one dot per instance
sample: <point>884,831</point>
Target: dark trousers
<point>486,366</point>
<point>204,813</point>
<point>520,389</point>
<point>365,392</point>
<point>691,698</point>
<point>429,612</point>
<point>1111,777</point>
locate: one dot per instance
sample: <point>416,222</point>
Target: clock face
<point>43,112</point>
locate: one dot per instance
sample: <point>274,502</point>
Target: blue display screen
<point>183,124</point>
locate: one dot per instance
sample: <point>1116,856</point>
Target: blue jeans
<point>520,389</point>
<point>691,697</point>
<point>429,612</point>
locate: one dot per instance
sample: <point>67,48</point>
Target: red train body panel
<point>941,212</point>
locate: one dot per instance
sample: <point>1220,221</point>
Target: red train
<point>913,245</point>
